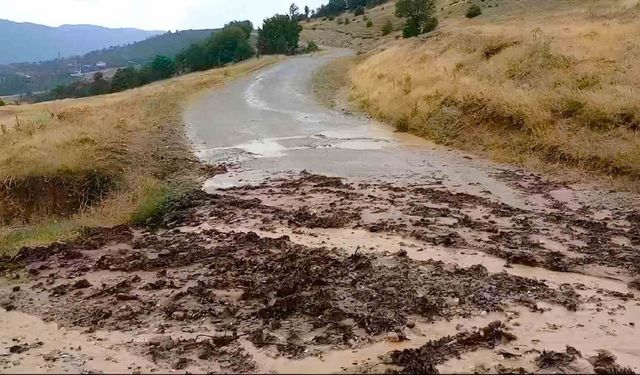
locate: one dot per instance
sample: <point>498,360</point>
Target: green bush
<point>474,11</point>
<point>2,102</point>
<point>411,28</point>
<point>347,21</point>
<point>311,47</point>
<point>369,23</point>
<point>359,11</point>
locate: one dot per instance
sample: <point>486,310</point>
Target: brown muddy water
<point>334,245</point>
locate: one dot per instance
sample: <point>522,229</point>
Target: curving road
<point>271,123</point>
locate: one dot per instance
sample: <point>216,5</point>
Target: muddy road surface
<point>332,244</point>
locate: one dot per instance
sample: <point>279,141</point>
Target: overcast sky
<point>145,14</point>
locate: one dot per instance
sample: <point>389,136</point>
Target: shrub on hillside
<point>359,11</point>
<point>411,28</point>
<point>347,21</point>
<point>430,24</point>
<point>387,28</point>
<point>474,11</point>
<point>2,103</point>
<point>311,47</point>
<point>369,23</point>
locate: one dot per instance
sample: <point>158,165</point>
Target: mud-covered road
<point>333,244</point>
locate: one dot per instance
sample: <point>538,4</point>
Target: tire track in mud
<point>276,275</point>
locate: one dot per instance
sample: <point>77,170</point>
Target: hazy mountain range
<point>29,42</point>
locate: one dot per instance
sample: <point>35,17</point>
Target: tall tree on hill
<point>280,34</point>
<point>246,26</point>
<point>294,11</point>
<point>162,67</point>
<point>231,44</point>
<point>418,14</point>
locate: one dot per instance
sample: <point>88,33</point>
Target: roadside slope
<point>97,161</point>
<point>549,85</point>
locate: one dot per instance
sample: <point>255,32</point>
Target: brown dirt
<point>55,196</point>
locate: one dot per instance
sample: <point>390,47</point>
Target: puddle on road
<point>54,349</point>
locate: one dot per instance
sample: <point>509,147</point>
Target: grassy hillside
<point>97,161</point>
<point>355,35</point>
<point>552,85</point>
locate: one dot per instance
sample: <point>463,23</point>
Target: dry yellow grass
<point>134,138</point>
<point>355,35</point>
<point>541,83</point>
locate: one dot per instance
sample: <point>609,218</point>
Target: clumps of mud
<point>550,359</point>
<point>304,217</point>
<point>267,290</point>
<point>605,363</point>
<point>424,360</point>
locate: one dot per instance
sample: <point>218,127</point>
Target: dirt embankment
<point>270,277</point>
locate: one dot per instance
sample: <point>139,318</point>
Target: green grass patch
<point>13,240</point>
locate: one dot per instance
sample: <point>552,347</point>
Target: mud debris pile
<point>288,268</point>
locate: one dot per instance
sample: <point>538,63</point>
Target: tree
<point>230,44</point>
<point>246,26</point>
<point>99,85</point>
<point>125,78</point>
<point>192,59</point>
<point>280,34</point>
<point>162,67</point>
<point>294,11</point>
<point>306,11</point>
<point>418,14</point>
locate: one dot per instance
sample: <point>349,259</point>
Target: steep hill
<point>27,42</point>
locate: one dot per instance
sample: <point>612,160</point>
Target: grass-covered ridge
<point>542,85</point>
<point>131,142</point>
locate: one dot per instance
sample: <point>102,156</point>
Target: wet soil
<point>273,276</point>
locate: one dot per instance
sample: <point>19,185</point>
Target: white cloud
<point>145,14</point>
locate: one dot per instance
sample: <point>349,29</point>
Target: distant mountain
<point>169,44</point>
<point>29,42</point>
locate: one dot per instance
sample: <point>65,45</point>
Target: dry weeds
<point>549,85</point>
<point>135,138</point>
